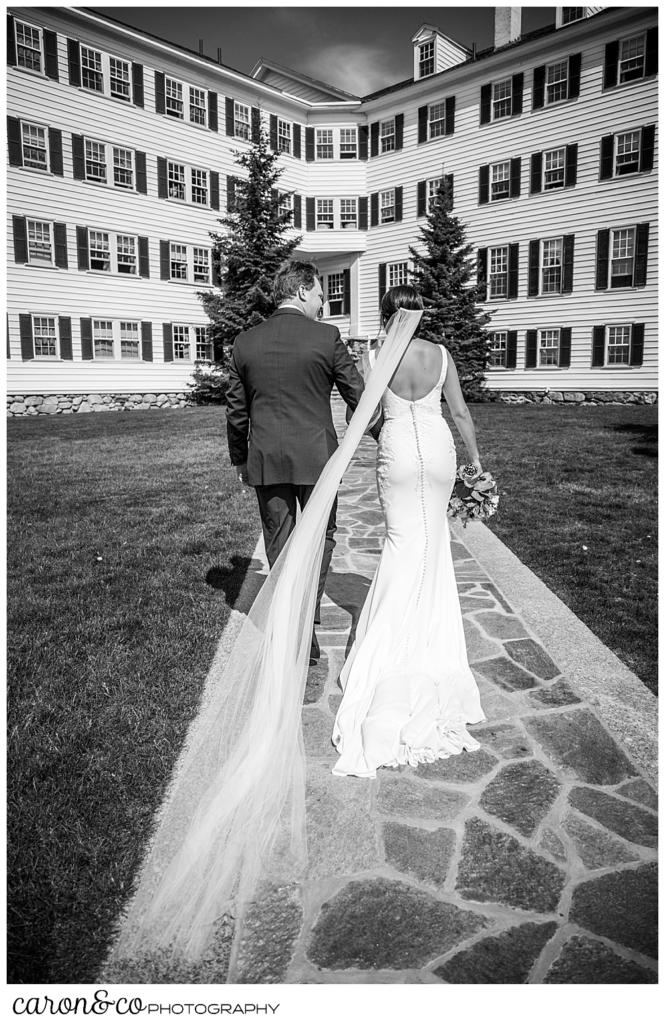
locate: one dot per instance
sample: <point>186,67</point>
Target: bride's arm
<point>460,413</point>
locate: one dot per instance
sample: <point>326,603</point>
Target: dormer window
<point>426,59</point>
<point>570,14</point>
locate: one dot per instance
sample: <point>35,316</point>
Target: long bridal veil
<point>249,826</point>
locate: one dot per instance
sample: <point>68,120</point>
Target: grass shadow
<point>646,433</point>
<point>240,581</point>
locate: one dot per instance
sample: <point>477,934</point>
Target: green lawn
<point>128,540</point>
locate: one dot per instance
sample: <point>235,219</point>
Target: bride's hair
<point>403,296</point>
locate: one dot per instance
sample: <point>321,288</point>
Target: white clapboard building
<point>121,159</point>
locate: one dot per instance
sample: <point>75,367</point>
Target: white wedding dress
<point>408,690</point>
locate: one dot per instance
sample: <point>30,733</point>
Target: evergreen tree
<point>443,273</point>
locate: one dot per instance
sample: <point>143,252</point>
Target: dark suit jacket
<point>278,403</point>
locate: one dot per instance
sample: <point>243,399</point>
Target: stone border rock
<point>52,405</point>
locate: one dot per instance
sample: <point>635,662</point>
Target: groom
<point>279,423</point>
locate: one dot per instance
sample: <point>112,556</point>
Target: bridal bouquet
<point>474,496</point>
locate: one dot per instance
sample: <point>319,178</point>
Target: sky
<point>359,49</point>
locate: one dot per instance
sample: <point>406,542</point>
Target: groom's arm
<point>350,383</point>
<point>237,415</point>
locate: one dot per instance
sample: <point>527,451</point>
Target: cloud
<point>354,67</point>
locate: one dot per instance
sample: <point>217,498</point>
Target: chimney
<point>200,47</point>
<point>507,25</point>
<point>219,55</point>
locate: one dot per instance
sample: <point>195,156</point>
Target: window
<point>551,266</point>
<point>186,263</point>
<point>126,249</point>
<point>95,160</point>
<point>45,337</point>
<point>335,294</point>
<point>123,167</point>
<point>398,273</point>
<point>627,152</point>
<point>198,105</point>
<point>569,14</point>
<point>100,250</point>
<point>324,213</point>
<point>92,75</point>
<point>113,339</point>
<point>502,98</point>
<point>436,119</point>
<point>348,143</point>
<point>181,343</point>
<point>556,82</point>
<point>349,213</point>
<point>622,257</point>
<point>104,74</point>
<point>631,58</point>
<point>119,77</point>
<point>241,122</point>
<point>283,136</point>
<point>174,100</point>
<point>498,275</point>
<point>40,241</point>
<point>175,174</point>
<point>99,156</point>
<point>201,265</point>
<point>186,184</point>
<point>188,338</point>
<point>548,347</point>
<point>285,203</point>
<point>28,46</point>
<point>387,206</point>
<point>426,59</point>
<point>500,180</point>
<point>203,345</point>
<point>102,339</point>
<point>618,345</point>
<point>199,186</point>
<point>324,144</point>
<point>498,348</point>
<point>387,135</point>
<point>129,339</point>
<point>554,169</point>
<point>34,146</point>
<point>433,186</point>
<point>112,253</point>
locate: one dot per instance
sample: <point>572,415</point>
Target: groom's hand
<point>241,473</point>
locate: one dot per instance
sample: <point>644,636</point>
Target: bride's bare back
<point>418,370</point>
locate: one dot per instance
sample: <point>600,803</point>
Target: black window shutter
<point>602,259</point>
<point>82,248</point>
<point>51,55</point>
<point>160,93</point>
<point>531,354</point>
<point>167,335</point>
<point>536,172</point>
<point>274,195</point>
<point>297,144</point>
<point>309,144</point>
<point>363,133</point>
<point>310,213</point>
<point>164,260</point>
<point>374,139</point>
<point>229,116</point>
<point>297,211</point>
<point>374,209</point>
<point>486,103</point>
<point>651,61</point>
<point>213,111</point>
<point>20,239</point>
<point>362,213</point>
<point>484,183</point>
<point>515,176</point>
<point>513,270</point>
<point>511,350</point>
<point>565,336</point>
<point>382,282</point>
<point>144,257</point>
<point>422,123</point>
<point>162,182</point>
<point>141,172</point>
<point>137,84</point>
<point>611,71</point>
<point>55,150</point>
<point>74,62</point>
<point>450,115</point>
<point>538,89</point>
<point>273,131</point>
<point>641,252</point>
<point>214,190</point>
<point>481,275</point>
<point>65,332</point>
<point>568,264</point>
<point>637,345</point>
<point>647,147</point>
<point>421,209</point>
<point>256,124</point>
<point>14,142</point>
<point>534,267</point>
<point>346,307</point>
<point>25,330</point>
<point>606,157</point>
<point>518,92</point>
<point>399,131</point>
<point>574,75</point>
<point>216,269</point>
<point>449,183</point>
<point>86,338</point>
<point>11,42</point>
<point>60,244</point>
<point>78,157</point>
<point>399,202</point>
<point>598,350</point>
<point>230,193</point>
<point>571,165</point>
<point>146,341</point>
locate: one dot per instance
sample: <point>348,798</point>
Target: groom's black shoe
<point>314,650</point>
<point>317,615</point>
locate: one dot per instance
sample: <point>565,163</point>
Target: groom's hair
<point>290,276</point>
<point>403,296</point>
